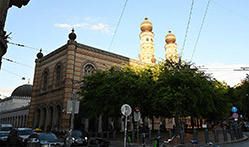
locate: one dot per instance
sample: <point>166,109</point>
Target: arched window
<point>88,69</point>
<point>58,76</point>
<point>45,80</point>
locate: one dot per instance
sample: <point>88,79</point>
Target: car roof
<point>24,129</point>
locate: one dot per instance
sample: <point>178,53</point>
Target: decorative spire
<point>39,55</point>
<point>72,36</point>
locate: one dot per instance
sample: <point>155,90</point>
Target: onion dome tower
<point>147,42</point>
<point>171,47</point>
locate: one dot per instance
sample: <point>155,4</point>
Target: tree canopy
<point>165,89</point>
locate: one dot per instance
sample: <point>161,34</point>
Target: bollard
<point>216,136</point>
<point>195,134</point>
<point>170,136</point>
<point>102,134</point>
<point>236,132</point>
<point>158,133</point>
<point>108,134</point>
<point>182,136</point>
<point>150,141</point>
<point>114,135</point>
<point>240,132</point>
<point>206,136</point>
<point>231,132</point>
<point>91,133</point>
<point>96,134</point>
<point>225,134</point>
<point>143,139</point>
<point>133,136</point>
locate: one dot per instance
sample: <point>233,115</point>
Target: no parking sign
<point>235,115</point>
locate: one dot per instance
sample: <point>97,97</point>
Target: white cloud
<point>104,28</point>
<point>82,25</point>
<point>90,24</point>
<point>63,25</point>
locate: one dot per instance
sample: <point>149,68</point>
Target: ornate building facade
<point>58,74</point>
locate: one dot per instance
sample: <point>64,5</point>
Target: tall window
<point>88,70</point>
<point>45,80</point>
<point>58,76</point>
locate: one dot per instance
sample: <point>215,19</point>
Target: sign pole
<point>125,135</point>
<point>126,111</point>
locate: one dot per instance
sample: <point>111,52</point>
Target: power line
<point>118,24</point>
<point>25,46</point>
<point>186,33</point>
<point>198,37</point>
<point>23,78</point>
<point>17,62</point>
<point>230,10</point>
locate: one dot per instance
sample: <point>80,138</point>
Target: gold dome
<point>146,25</point>
<point>170,38</point>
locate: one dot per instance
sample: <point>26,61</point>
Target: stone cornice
<point>85,47</point>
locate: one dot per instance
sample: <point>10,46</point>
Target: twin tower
<point>147,44</point>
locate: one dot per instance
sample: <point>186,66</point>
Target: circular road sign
<point>126,110</point>
<point>234,109</point>
<point>235,115</point>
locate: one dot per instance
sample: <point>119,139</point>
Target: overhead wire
<point>247,18</point>
<point>198,37</point>
<point>187,28</point>
<point>115,32</point>
<point>25,46</point>
<point>17,62</point>
<point>23,78</point>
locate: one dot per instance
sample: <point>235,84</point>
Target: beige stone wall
<point>65,55</point>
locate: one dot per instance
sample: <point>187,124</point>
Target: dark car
<point>98,142</point>
<point>78,138</point>
<point>3,137</point>
<point>246,126</point>
<point>17,136</point>
<point>43,140</point>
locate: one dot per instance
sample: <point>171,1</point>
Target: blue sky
<point>222,46</point>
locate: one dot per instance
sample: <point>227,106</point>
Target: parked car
<point>17,136</point>
<point>98,142</point>
<point>246,126</point>
<point>5,127</point>
<point>78,138</point>
<point>3,137</point>
<point>43,140</point>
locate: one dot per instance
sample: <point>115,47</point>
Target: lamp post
<point>72,37</point>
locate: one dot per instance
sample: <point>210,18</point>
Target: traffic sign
<point>234,109</point>
<point>137,116</point>
<point>126,110</point>
<point>235,115</point>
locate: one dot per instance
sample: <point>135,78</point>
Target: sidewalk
<point>188,136</point>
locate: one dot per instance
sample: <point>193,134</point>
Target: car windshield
<point>44,136</point>
<point>25,132</point>
<point>4,134</point>
<point>76,134</point>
